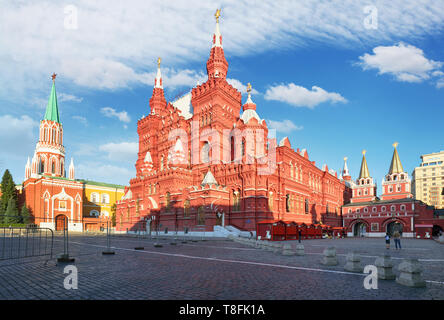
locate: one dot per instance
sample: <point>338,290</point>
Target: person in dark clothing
<point>299,235</point>
<point>387,241</point>
<point>397,238</point>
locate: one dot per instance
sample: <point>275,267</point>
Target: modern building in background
<point>428,180</point>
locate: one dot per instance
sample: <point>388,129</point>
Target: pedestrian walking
<point>397,238</point>
<point>387,241</point>
<point>299,235</point>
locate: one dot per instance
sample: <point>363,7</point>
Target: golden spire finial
<point>345,158</point>
<point>217,15</point>
<point>249,88</point>
<point>53,77</point>
<point>395,144</point>
<point>159,60</point>
<point>364,152</point>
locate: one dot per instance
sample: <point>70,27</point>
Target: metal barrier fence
<point>24,242</point>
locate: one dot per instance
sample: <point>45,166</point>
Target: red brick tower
<point>364,189</point>
<point>396,184</point>
<point>54,200</point>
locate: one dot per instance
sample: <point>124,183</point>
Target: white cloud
<point>99,171</point>
<point>116,44</point>
<point>68,97</point>
<point>110,113</point>
<point>81,119</point>
<point>405,62</point>
<point>285,126</point>
<point>123,151</point>
<point>301,97</point>
<point>17,135</point>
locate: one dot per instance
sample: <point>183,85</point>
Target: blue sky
<point>321,76</point>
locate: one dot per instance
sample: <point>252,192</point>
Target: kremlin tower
<point>49,155</point>
<point>364,189</point>
<point>396,184</point>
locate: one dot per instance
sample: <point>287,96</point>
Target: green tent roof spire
<point>52,109</point>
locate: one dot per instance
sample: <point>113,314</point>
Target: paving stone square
<point>216,269</point>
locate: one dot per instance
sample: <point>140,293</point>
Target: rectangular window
<point>62,205</point>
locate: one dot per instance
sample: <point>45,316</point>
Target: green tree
<point>25,215</point>
<point>11,214</point>
<point>8,190</point>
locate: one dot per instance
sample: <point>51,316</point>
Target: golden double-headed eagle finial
<point>364,152</point>
<point>217,15</point>
<point>249,87</point>
<point>395,144</point>
<point>53,76</point>
<point>159,60</point>
<point>345,158</point>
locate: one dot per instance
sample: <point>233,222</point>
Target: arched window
<point>105,198</point>
<point>94,213</point>
<point>236,200</point>
<point>53,166</point>
<point>306,206</point>
<point>94,197</point>
<point>287,203</point>
<point>186,208</point>
<point>168,200</point>
<point>201,216</point>
<point>205,154</point>
<point>270,201</point>
<point>42,166</point>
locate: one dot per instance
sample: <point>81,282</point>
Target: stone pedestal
<point>329,258</point>
<point>277,247</point>
<point>353,263</point>
<point>410,274</point>
<point>287,250</point>
<point>384,265</point>
<point>300,251</point>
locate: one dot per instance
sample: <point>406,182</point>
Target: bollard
<point>287,250</point>
<point>277,247</point>
<point>384,265</point>
<point>157,245</point>
<point>410,274</point>
<point>300,251</point>
<point>329,258</point>
<point>353,263</point>
<point>108,250</point>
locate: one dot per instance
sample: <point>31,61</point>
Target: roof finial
<point>364,152</point>
<point>158,80</point>
<point>395,144</point>
<point>345,158</point>
<point>53,77</point>
<point>217,15</point>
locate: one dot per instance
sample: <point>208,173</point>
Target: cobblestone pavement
<point>215,270</point>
